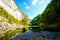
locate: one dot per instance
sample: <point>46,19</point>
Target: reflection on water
<point>42,35</point>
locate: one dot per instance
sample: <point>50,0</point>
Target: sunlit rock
<point>11,8</point>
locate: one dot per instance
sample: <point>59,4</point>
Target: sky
<point>32,7</point>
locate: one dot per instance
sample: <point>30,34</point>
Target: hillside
<point>50,18</point>
<point>11,8</point>
<point>11,17</point>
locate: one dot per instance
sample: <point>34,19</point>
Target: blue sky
<point>32,7</point>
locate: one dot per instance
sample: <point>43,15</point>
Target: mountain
<point>11,8</point>
<point>11,17</point>
<point>50,18</point>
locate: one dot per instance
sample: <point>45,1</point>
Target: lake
<point>42,35</point>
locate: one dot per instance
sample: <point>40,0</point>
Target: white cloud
<point>27,7</point>
<point>24,3</point>
<point>42,2</point>
<point>34,2</point>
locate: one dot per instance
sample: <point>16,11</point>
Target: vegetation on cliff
<point>50,18</point>
<point>11,19</point>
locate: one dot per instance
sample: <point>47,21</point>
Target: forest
<point>50,18</point>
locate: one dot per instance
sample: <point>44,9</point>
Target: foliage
<point>35,20</point>
<point>50,16</point>
<point>11,19</point>
<point>25,20</point>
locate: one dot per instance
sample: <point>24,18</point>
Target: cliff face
<point>11,17</point>
<point>11,8</point>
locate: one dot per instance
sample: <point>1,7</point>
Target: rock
<point>12,8</point>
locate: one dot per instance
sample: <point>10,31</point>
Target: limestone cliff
<point>11,17</point>
<point>11,8</point>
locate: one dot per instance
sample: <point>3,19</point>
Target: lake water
<point>42,35</point>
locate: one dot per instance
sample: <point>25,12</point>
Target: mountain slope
<point>11,17</point>
<point>8,17</point>
<point>13,11</point>
<point>11,8</point>
<point>10,26</point>
<point>50,18</point>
